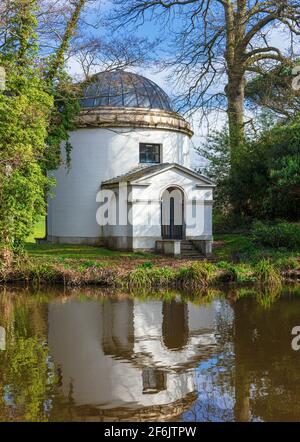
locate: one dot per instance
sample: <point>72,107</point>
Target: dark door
<point>172,230</point>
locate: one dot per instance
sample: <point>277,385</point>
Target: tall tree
<point>218,42</point>
<point>25,107</point>
<point>35,115</point>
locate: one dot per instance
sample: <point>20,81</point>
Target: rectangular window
<point>149,153</point>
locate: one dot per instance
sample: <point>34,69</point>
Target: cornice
<point>113,117</point>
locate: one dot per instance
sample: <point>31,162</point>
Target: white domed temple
<point>130,185</point>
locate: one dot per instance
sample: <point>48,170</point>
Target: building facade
<point>129,185</point>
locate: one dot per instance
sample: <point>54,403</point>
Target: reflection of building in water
<point>127,353</point>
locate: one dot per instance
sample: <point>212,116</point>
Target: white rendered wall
<point>97,155</point>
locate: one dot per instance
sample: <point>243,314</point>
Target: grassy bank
<point>237,259</point>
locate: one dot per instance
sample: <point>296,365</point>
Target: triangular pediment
<point>143,175</point>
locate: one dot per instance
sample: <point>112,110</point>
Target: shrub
<point>288,263</point>
<point>147,277</point>
<point>162,276</point>
<point>146,265</point>
<point>236,272</point>
<point>197,274</point>
<point>282,234</point>
<point>88,265</point>
<point>40,272</point>
<point>229,222</point>
<point>266,273</point>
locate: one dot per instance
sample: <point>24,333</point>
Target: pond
<point>89,355</point>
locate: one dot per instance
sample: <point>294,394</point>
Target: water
<point>89,356</point>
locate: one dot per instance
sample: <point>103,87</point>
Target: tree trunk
<point>235,89</point>
<point>235,95</point>
<point>235,111</point>
<point>235,14</point>
<point>58,61</point>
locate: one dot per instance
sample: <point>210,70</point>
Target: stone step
<point>192,256</point>
<point>190,249</point>
<point>191,253</point>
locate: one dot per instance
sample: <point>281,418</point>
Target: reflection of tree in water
<point>26,375</point>
<point>254,374</point>
<point>267,367</point>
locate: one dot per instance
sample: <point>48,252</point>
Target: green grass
<point>78,251</point>
<point>235,248</point>
<point>66,251</point>
<point>39,232</point>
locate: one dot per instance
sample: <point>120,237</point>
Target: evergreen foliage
<point>36,113</point>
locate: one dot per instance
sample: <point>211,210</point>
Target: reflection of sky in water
<point>8,396</point>
<point>212,404</point>
<point>213,377</point>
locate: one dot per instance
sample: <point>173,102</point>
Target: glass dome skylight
<point>124,89</point>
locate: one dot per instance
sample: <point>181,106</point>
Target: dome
<point>124,89</point>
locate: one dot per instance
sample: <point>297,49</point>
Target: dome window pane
<point>123,89</point>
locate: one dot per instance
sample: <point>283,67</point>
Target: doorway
<point>172,214</point>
